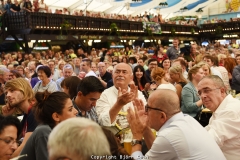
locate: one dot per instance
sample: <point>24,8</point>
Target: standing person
<point>49,112</point>
<point>176,138</point>
<point>15,7</point>
<point>190,102</point>
<point>223,126</point>
<point>20,95</point>
<point>7,6</point>
<point>42,7</point>
<point>27,6</point>
<point>173,51</point>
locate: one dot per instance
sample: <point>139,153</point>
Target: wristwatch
<point>135,141</point>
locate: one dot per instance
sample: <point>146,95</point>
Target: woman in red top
<point>159,54</point>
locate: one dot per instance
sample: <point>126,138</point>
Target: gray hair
<point>216,79</point>
<point>67,66</point>
<point>79,138</point>
<point>3,70</point>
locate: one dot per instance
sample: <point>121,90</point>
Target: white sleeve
<point>102,109</point>
<point>225,127</point>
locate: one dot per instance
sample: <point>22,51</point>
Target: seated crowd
<point>78,105</point>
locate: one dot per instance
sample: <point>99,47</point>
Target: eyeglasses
<point>157,109</point>
<point>206,91</point>
<point>10,141</point>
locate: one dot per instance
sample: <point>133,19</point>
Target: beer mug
<point>127,139</point>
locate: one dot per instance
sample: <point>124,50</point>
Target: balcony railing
<point>45,21</point>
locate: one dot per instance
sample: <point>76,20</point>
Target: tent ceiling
<point>119,6</point>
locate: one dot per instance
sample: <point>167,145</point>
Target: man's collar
<point>172,119</point>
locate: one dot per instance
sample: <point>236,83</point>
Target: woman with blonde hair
<point>60,66</point>
<point>221,58</point>
<point>177,77</point>
<point>190,102</point>
<point>158,75</point>
<point>206,68</point>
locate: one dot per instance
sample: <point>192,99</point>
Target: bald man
<point>179,136</point>
<point>112,106</point>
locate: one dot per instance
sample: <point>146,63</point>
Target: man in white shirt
<point>179,136</point>
<point>112,106</point>
<point>210,61</point>
<point>86,67</point>
<point>225,121</point>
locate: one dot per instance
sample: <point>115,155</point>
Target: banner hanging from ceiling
<point>154,27</point>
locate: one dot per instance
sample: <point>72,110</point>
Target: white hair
<point>79,138</point>
<point>3,70</point>
<point>67,66</point>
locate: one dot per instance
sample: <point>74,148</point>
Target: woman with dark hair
<point>10,129</point>
<point>69,85</point>
<point>139,77</point>
<point>166,64</point>
<point>50,110</point>
<point>44,73</point>
<point>159,54</point>
<point>125,60</point>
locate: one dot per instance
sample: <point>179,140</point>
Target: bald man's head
<point>166,100</point>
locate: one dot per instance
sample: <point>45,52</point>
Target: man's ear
<point>79,94</point>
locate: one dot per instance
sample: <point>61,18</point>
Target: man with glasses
<point>113,103</point>
<point>152,63</point>
<point>224,124</point>
<point>179,136</point>
<point>104,76</point>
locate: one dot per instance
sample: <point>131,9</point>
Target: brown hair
<point>71,83</point>
<point>158,73</point>
<point>229,64</point>
<point>47,104</point>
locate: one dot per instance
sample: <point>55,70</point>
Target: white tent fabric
<point>119,6</point>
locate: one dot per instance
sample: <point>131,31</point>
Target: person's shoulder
<point>42,131</point>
